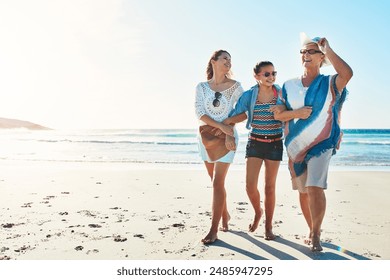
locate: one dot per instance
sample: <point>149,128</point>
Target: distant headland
<point>12,123</point>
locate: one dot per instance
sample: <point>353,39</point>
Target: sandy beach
<point>103,211</point>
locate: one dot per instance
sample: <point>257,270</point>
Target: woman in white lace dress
<point>215,99</point>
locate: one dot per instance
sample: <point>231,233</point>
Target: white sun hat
<point>307,40</point>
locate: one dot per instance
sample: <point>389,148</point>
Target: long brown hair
<point>215,56</point>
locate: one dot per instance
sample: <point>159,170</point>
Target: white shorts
<point>316,173</point>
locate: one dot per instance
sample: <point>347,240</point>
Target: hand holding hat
<point>323,44</point>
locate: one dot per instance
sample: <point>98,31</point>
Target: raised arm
<point>343,70</point>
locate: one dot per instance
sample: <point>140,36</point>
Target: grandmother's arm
<point>343,70</point>
<point>281,114</point>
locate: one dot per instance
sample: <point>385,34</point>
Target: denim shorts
<point>271,151</point>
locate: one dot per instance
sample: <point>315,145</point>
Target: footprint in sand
<point>79,248</point>
<point>94,251</point>
<point>8,225</point>
<point>87,213</point>
<point>94,226</point>
<point>3,249</point>
<point>242,210</point>
<point>120,239</point>
<point>242,203</point>
<point>178,225</point>
<point>27,205</point>
<point>163,228</point>
<point>24,248</point>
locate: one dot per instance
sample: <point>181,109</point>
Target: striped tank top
<point>263,122</point>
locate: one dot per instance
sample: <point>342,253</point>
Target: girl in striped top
<point>264,141</point>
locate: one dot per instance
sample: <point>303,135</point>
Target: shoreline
<point>173,165</point>
<point>82,211</point>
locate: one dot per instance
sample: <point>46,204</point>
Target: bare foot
<point>269,235</point>
<point>225,223</point>
<point>253,226</point>
<point>316,244</point>
<point>308,239</point>
<point>210,238</point>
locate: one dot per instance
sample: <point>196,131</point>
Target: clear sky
<point>135,63</point>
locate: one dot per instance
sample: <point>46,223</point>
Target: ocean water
<point>361,148</point>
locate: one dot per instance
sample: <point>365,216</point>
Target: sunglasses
<point>267,74</point>
<point>310,51</point>
<point>216,101</point>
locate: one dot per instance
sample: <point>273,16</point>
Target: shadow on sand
<point>281,255</point>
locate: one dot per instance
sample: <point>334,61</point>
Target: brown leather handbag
<point>214,144</point>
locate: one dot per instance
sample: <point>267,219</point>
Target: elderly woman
<point>312,131</point>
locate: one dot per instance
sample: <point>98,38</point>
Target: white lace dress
<point>204,106</point>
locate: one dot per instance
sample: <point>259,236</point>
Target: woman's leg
<point>210,169</point>
<point>219,200</point>
<point>253,166</point>
<point>225,213</point>
<point>271,172</point>
<point>304,202</point>
<point>317,205</point>
<point>225,218</point>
